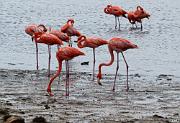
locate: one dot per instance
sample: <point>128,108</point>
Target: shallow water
<point>158,43</point>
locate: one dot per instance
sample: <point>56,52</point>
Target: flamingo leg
<point>127,85</point>
<point>94,62</point>
<point>117,68</point>
<point>119,23</point>
<point>37,66</point>
<point>141,25</point>
<point>115,23</point>
<point>67,78</point>
<point>49,50</point>
<point>70,42</point>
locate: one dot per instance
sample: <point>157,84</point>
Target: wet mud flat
<point>150,99</point>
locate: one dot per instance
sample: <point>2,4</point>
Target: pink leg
<point>127,85</point>
<point>94,62</point>
<point>37,66</point>
<point>49,50</point>
<point>117,68</point>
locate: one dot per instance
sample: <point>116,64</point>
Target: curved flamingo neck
<point>106,10</point>
<point>81,39</point>
<point>106,64</point>
<point>56,75</point>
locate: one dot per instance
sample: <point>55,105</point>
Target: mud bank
<point>23,93</point>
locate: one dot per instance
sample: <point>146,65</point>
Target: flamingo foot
<point>49,91</point>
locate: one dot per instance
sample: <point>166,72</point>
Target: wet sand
<point>156,100</point>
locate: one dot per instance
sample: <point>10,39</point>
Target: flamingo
<point>62,36</point>
<point>117,12</point>
<point>137,16</point>
<point>119,45</point>
<point>70,30</point>
<point>30,29</point>
<point>92,43</point>
<point>49,39</point>
<point>64,53</point>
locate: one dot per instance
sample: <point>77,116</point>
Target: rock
<point>85,63</point>
<point>13,119</point>
<point>39,120</point>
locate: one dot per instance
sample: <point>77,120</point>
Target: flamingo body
<point>65,53</point>
<point>117,12</point>
<point>91,43</point>
<point>60,35</point>
<point>118,45</point>
<point>137,16</point>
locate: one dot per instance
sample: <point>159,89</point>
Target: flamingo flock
<point>41,34</point>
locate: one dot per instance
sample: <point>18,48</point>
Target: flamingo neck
<point>57,73</point>
<point>106,64</point>
<point>80,45</point>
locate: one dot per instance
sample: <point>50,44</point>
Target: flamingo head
<point>80,41</point>
<point>107,9</point>
<point>70,21</point>
<point>99,76</point>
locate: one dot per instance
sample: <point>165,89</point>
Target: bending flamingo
<point>137,16</point>
<point>49,39</point>
<point>30,30</point>
<point>70,30</point>
<point>65,53</point>
<point>92,43</point>
<point>117,12</point>
<point>119,45</point>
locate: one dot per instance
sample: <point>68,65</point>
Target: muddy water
<point>158,44</point>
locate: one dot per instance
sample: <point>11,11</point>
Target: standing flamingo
<point>117,12</point>
<point>70,30</point>
<point>118,45</point>
<point>49,39</point>
<point>137,16</point>
<point>62,36</point>
<point>30,30</point>
<point>92,43</point>
<point>65,53</point>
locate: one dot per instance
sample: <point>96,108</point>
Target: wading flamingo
<point>117,12</point>
<point>119,45</point>
<point>30,30</point>
<point>49,39</point>
<point>92,43</point>
<point>70,30</point>
<point>137,16</point>
<point>64,53</point>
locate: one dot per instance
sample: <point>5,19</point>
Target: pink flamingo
<point>117,12</point>
<point>49,39</point>
<point>92,43</point>
<point>70,30</point>
<point>137,16</point>
<point>64,53</point>
<point>30,30</point>
<point>118,45</point>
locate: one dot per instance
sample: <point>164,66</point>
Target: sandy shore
<point>157,100</point>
